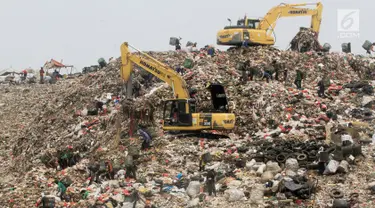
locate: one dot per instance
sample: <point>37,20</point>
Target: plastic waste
<point>233,195</point>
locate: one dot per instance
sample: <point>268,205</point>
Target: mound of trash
<point>305,40</point>
<point>69,143</point>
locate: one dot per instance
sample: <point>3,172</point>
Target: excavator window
<point>251,24</point>
<point>241,22</point>
<point>176,113</point>
<point>218,98</point>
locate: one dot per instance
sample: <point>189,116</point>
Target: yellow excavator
<point>260,31</point>
<point>179,113</point>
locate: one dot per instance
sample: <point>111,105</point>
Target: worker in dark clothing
<point>178,45</point>
<point>242,67</point>
<point>266,75</point>
<point>203,160</point>
<point>146,137</point>
<point>278,68</point>
<point>180,70</point>
<point>210,182</point>
<point>298,80</point>
<point>136,88</point>
<point>252,72</point>
<point>246,68</point>
<point>321,88</point>
<point>99,105</point>
<point>135,197</point>
<point>130,167</point>
<point>285,73</point>
<point>211,51</point>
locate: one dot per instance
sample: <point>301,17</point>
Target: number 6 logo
<point>348,20</point>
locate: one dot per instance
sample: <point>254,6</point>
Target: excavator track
<point>206,135</point>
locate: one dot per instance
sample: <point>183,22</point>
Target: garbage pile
<point>305,40</point>
<point>77,143</point>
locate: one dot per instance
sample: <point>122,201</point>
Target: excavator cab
<point>177,112</point>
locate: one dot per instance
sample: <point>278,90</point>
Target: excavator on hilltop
<point>179,113</point>
<point>261,31</point>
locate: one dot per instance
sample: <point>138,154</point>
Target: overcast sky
<point>82,31</point>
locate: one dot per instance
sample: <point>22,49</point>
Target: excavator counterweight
<point>261,31</point>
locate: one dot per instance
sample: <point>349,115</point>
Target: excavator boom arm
<point>153,66</point>
<point>293,10</point>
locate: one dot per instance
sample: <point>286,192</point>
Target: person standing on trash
<point>298,80</point>
<point>278,68</point>
<point>178,45</point>
<point>130,167</point>
<point>211,51</point>
<point>241,67</point>
<point>41,73</point>
<point>180,70</point>
<point>321,87</point>
<point>210,182</point>
<point>285,72</point>
<point>24,74</point>
<point>245,43</point>
<point>252,71</point>
<point>247,68</point>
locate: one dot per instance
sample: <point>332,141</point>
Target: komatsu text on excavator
<point>261,31</point>
<point>180,112</point>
